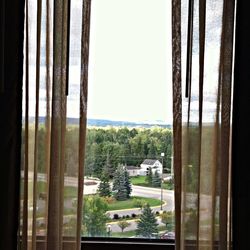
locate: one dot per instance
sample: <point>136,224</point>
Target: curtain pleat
<point>177,111</point>
<point>83,109</point>
<point>38,46</point>
<point>53,167</point>
<point>203,167</point>
<point>226,83</point>
<point>24,216</point>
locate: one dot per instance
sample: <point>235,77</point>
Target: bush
<point>123,217</point>
<point>109,200</point>
<point>139,203</point>
<point>157,213</point>
<point>133,215</point>
<point>116,217</point>
<point>127,216</point>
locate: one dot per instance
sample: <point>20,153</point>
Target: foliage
<point>109,147</point>
<point>104,189</point>
<point>147,225</point>
<point>116,217</point>
<point>121,184</point>
<point>95,218</point>
<point>123,224</point>
<point>167,217</point>
<point>139,203</point>
<point>149,177</point>
<point>109,199</point>
<point>127,183</point>
<point>156,180</point>
<point>130,203</point>
<point>169,184</point>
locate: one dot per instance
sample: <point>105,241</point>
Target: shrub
<point>127,216</point>
<point>116,216</point>
<point>139,203</point>
<point>157,213</point>
<point>109,200</point>
<point>133,215</point>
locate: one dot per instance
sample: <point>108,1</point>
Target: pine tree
<point>104,186</point>
<point>147,225</point>
<point>156,180</point>
<point>119,184</point>
<point>127,183</point>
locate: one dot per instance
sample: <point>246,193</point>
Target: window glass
<point>129,135</point>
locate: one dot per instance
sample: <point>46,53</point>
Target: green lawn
<point>133,203</point>
<point>141,181</point>
<point>128,234</point>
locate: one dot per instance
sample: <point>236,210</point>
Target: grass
<point>132,233</point>
<point>141,181</point>
<point>133,203</point>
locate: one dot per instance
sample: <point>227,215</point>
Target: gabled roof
<point>149,162</point>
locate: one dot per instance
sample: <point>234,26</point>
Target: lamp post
<point>162,156</point>
<point>109,230</point>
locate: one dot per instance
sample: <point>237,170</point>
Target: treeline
<point>106,148</point>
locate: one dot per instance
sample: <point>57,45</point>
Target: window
<point>130,63</point>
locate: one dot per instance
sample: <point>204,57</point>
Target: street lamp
<point>162,156</point>
<point>109,230</point>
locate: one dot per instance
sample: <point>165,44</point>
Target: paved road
<point>168,198</point>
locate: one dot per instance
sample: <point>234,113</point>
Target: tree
<point>95,218</point>
<point>123,224</point>
<point>167,217</point>
<point>156,180</point>
<point>149,176</point>
<point>147,225</point>
<point>119,184</point>
<point>104,186</point>
<point>127,183</point>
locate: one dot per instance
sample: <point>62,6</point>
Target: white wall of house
<point>157,166</point>
<point>133,172</point>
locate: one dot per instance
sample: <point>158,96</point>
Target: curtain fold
<point>53,162</point>
<point>202,168</point>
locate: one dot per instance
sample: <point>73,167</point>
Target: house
<point>132,170</point>
<point>155,165</point>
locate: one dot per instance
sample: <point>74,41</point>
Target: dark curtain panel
<point>11,64</point>
<point>241,130</point>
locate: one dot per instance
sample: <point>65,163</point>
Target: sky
<point>130,60</point>
<point>129,65</point>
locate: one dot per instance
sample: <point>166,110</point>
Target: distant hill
<point>106,123</point>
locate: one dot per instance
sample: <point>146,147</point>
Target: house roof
<point>149,162</point>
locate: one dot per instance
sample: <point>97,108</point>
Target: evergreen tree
<point>147,225</point>
<point>104,186</point>
<point>156,180</point>
<point>127,183</point>
<point>119,184</point>
<point>149,176</point>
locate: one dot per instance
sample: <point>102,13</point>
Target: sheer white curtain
<point>202,82</point>
<point>54,123</point>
